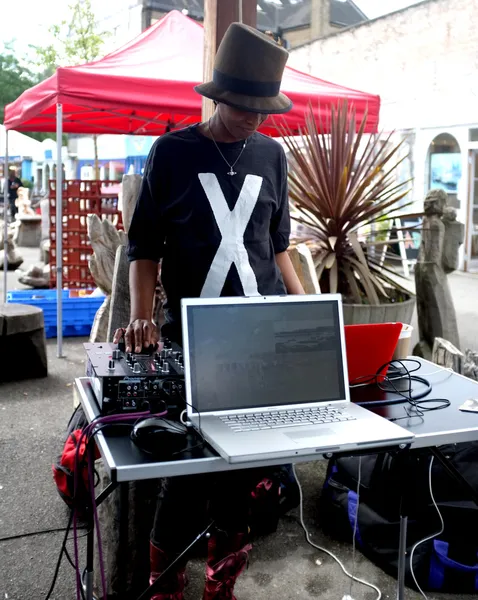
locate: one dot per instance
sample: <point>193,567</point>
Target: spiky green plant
<point>341,183</point>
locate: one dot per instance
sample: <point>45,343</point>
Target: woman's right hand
<point>140,333</point>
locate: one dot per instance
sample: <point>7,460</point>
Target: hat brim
<point>276,105</point>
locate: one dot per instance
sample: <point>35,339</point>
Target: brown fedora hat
<point>248,71</point>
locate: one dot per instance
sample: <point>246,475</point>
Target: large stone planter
<point>396,312</point>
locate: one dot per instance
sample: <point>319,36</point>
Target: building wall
<point>299,37</point>
<point>295,37</point>
<point>122,19</point>
<point>423,62</point>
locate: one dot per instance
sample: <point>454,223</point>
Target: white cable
<point>449,370</point>
<point>427,539</point>
<point>337,560</point>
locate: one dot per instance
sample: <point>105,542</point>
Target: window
<point>444,166</point>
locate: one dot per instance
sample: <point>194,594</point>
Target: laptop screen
<point>265,354</point>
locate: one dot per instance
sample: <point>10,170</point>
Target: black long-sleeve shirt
<point>217,234</point>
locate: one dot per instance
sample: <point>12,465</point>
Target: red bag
<point>64,471</point>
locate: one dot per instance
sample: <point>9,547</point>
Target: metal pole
<point>240,11</point>
<point>5,221</point>
<point>402,558</point>
<point>59,238</point>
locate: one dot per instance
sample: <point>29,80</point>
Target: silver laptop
<point>266,378</point>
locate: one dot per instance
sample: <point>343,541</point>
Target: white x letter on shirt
<point>232,225</point>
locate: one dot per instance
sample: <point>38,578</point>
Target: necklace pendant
<point>231,172</point>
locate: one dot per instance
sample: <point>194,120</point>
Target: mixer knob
<point>129,357</point>
<point>167,343</point>
<point>111,365</point>
<point>164,353</point>
<point>137,368</point>
<point>165,367</point>
<point>116,354</point>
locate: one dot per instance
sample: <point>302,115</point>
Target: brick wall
<point>423,61</point>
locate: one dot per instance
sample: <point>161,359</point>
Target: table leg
<point>404,462</point>
<point>402,558</point>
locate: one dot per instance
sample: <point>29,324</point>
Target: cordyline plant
<point>340,185</point>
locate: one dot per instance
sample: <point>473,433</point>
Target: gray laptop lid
<point>248,353</point>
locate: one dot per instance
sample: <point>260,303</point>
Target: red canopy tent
<point>148,84</point>
<point>146,88</point>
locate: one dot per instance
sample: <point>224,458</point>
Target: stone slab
<point>20,318</point>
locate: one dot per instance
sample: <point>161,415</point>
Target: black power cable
<point>58,564</point>
<point>33,533</point>
<point>418,405</point>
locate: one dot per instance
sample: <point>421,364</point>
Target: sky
<point>37,15</point>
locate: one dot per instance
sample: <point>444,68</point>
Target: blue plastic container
<point>78,312</point>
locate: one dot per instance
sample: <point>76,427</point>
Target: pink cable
<point>87,431</point>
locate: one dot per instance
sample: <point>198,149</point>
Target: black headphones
<point>161,438</point>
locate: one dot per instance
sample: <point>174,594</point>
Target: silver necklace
<point>231,171</point>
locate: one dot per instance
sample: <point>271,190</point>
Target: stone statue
<point>442,236</point>
<point>105,239</point>
<point>128,197</point>
<point>14,258</point>
<point>23,202</point>
<point>454,238</point>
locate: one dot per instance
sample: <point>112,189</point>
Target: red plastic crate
<point>77,206</point>
<point>72,256</point>
<point>80,198</point>
<point>83,188</point>
<point>71,239</point>
<point>74,276</point>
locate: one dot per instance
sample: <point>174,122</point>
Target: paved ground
<point>33,416</point>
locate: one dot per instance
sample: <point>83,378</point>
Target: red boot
<point>171,585</point>
<point>227,558</point>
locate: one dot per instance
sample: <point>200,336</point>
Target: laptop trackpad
<point>305,435</point>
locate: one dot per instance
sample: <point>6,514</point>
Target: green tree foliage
<point>75,40</point>
<point>15,78</point>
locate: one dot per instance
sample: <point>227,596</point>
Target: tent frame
<point>59,117</point>
<point>64,108</point>
<point>59,234</point>
<point>59,231</point>
<point>5,220</point>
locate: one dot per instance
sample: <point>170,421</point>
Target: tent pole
<point>59,233</point>
<point>5,221</point>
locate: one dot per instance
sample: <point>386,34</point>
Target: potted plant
<point>342,186</point>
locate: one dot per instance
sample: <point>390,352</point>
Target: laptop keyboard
<point>287,418</point>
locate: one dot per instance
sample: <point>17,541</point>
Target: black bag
<point>272,498</point>
<point>449,562</point>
